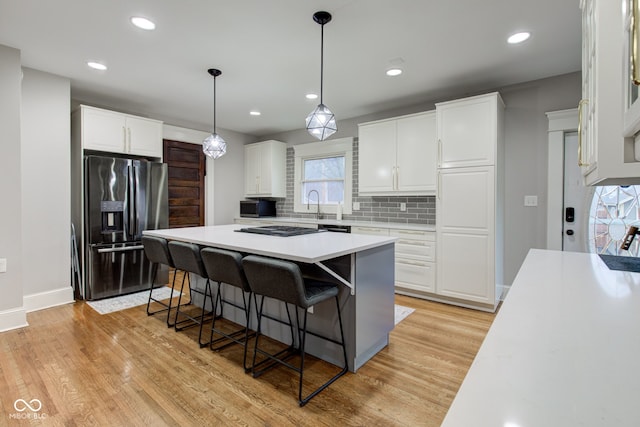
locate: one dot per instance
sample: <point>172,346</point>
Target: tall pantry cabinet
<point>469,201</point>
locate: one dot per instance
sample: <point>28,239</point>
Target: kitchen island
<point>564,349</point>
<point>363,266</point>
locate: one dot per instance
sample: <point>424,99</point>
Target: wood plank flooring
<point>128,369</point>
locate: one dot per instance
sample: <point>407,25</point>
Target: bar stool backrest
<point>276,279</point>
<point>157,250</point>
<point>225,266</point>
<point>186,257</point>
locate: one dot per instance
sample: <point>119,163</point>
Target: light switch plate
<point>3,265</point>
<point>531,200</point>
<point>356,206</point>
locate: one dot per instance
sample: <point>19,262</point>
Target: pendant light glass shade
<point>213,145</point>
<point>321,122</point>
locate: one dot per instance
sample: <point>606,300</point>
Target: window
<point>322,171</point>
<point>613,210</point>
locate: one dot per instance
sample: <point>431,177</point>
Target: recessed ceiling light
<point>97,65</point>
<point>394,72</point>
<point>254,113</point>
<point>518,37</point>
<point>143,23</point>
<point>311,96</point>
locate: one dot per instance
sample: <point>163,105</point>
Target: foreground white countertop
<point>564,349</point>
<point>309,248</point>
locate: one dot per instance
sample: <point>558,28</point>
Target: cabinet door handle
<point>415,263</point>
<point>129,131</point>
<point>124,139</point>
<point>412,242</point>
<point>580,107</point>
<point>635,32</point>
<point>415,233</point>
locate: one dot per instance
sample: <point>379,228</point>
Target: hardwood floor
<point>128,369</point>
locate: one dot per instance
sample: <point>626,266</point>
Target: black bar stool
<point>224,266</point>
<point>157,251</point>
<point>186,257</point>
<point>282,280</point>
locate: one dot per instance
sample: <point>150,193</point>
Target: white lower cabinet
<point>415,260</point>
<point>415,270</point>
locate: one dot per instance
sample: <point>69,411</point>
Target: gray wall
<point>46,192</point>
<point>525,154</point>
<point>11,282</point>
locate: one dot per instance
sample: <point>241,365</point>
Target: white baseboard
<point>13,319</point>
<point>48,299</point>
<point>504,290</point>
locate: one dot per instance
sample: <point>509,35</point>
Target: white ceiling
<point>269,53</point>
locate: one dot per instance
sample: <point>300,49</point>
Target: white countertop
<point>391,225</point>
<point>564,349</point>
<point>309,248</point>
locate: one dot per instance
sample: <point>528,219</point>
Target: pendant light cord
<point>321,59</point>
<point>214,104</point>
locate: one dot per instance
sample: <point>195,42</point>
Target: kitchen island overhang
<point>363,265</point>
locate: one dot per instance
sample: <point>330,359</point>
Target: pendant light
<point>321,122</point>
<point>213,145</point>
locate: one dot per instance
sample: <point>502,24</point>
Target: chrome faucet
<point>318,209</point>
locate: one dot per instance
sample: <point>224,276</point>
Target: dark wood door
<point>186,164</point>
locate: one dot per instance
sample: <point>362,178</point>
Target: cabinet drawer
<point>377,231</point>
<point>415,274</point>
<point>415,244</point>
<point>423,249</point>
<point>413,234</point>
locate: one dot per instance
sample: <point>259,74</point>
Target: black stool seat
<point>157,251</point>
<point>186,257</point>
<point>225,267</point>
<point>283,280</point>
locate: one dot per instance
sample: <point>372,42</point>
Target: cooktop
<point>280,230</point>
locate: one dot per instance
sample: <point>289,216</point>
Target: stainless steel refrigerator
<point>123,197</point>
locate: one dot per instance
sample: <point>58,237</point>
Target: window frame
<point>319,150</point>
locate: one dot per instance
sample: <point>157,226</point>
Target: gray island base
<point>366,263</point>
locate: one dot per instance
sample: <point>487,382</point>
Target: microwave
<point>257,208</point>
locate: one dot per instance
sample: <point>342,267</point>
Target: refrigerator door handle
<point>131,229</point>
<point>122,249</point>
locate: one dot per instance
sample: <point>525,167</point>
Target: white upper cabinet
<point>265,169</point>
<point>606,113</point>
<point>397,156</point>
<point>109,131</point>
<point>467,131</point>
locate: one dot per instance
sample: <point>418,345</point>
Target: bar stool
<point>157,251</point>
<point>283,281</point>
<point>186,257</point>
<point>224,266</point>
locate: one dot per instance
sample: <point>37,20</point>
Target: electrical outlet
<point>356,206</point>
<point>531,200</point>
<point>3,265</point>
<point>403,207</point>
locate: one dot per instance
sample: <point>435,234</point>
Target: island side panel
<point>374,301</point>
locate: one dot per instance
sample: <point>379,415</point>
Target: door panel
<point>466,198</point>
<point>574,232</point>
<point>465,266</point>
<point>186,171</point>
